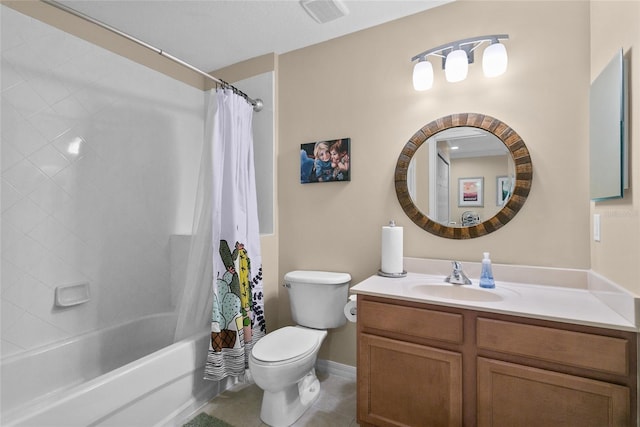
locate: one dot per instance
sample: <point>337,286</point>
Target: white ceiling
<point>212,34</point>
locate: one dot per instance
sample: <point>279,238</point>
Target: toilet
<point>282,363</point>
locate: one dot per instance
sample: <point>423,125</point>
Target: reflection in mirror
<point>469,191</point>
<point>452,155</point>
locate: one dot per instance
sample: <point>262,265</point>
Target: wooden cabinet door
<point>515,395</point>
<point>405,384</point>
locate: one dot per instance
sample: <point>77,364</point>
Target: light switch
<point>596,227</point>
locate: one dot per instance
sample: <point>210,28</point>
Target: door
<point>406,384</point>
<point>516,395</point>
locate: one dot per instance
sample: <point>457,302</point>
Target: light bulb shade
<point>456,66</point>
<point>494,60</point>
<point>423,75</point>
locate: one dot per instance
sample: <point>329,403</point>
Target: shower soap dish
<point>72,294</point>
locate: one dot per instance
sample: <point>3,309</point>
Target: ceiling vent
<point>323,11</point>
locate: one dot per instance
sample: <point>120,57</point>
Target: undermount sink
<point>456,292</point>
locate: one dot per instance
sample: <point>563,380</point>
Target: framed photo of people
<point>325,161</point>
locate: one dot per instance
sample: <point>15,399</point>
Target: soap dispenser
<point>486,276</point>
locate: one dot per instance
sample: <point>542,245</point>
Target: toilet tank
<point>317,298</point>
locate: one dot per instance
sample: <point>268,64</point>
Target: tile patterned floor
<point>336,406</point>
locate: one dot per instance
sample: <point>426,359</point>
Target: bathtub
<point>128,375</point>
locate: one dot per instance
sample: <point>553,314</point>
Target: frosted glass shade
<point>494,60</point>
<point>423,75</point>
<point>456,66</point>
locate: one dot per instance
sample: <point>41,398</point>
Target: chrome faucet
<point>457,276</point>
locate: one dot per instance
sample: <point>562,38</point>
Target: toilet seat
<point>286,344</point>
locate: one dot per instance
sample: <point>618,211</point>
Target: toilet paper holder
<point>351,309</point>
<point>392,251</point>
<point>392,275</point>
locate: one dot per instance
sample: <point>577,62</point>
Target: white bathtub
<point>77,385</point>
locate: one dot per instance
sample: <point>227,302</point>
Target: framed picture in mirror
<point>471,191</point>
<point>504,189</point>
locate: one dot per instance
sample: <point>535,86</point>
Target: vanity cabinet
<point>403,380</point>
<point>429,365</point>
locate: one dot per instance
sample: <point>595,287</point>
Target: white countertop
<point>557,303</point>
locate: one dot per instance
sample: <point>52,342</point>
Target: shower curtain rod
<point>257,103</point>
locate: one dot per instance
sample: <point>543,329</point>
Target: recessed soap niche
<point>72,294</point>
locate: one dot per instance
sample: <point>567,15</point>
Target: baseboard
<point>194,406</point>
<point>337,369</point>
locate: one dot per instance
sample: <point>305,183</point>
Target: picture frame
<point>471,191</point>
<point>325,161</point>
<point>504,189</point>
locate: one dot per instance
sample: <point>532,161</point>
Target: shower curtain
<point>224,270</point>
<point>237,319</point>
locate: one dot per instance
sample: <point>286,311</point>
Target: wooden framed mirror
<point>521,171</point>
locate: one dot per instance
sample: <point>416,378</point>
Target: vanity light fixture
<point>456,57</point>
<point>423,75</point>
<point>456,66</point>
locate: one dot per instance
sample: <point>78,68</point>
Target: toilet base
<point>284,407</point>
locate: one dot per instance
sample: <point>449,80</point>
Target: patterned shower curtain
<point>237,316</point>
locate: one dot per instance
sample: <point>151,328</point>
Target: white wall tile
<point>11,313</point>
<point>10,274</point>
<point>10,156</point>
<point>10,196</point>
<point>25,253</point>
<point>50,197</point>
<point>8,348</point>
<point>10,235</point>
<point>24,215</point>
<point>49,160</point>
<point>50,88</point>
<point>102,214</point>
<point>12,26</point>
<point>25,292</point>
<point>24,176</point>
<point>50,233</point>
<point>30,331</point>
<point>71,108</point>
<point>20,134</point>
<point>10,77</point>
<point>50,123</point>
<point>70,144</point>
<point>24,99</point>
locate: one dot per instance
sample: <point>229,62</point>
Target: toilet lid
<point>285,343</point>
<point>317,277</point>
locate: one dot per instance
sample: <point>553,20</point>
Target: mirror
<point>468,192</point>
<point>455,159</point>
<point>608,133</point>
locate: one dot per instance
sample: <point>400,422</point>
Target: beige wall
<point>615,25</point>
<point>359,86</point>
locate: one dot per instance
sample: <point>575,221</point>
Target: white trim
<point>337,369</point>
<point>196,404</point>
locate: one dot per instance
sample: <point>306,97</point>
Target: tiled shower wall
<point>100,158</point>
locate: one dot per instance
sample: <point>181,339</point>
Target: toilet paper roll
<point>391,260</point>
<point>351,309</point>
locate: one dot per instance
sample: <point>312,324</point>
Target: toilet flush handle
<point>286,285</point>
